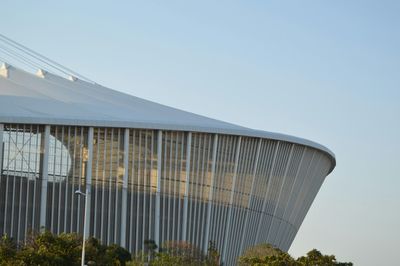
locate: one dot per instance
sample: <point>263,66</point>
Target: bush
<point>65,249</point>
<point>265,254</point>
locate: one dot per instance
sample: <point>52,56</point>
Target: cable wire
<point>35,56</point>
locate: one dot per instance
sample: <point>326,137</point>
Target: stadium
<point>145,171</point>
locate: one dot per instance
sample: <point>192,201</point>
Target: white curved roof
<point>49,99</point>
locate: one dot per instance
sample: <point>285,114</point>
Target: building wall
<point>160,185</point>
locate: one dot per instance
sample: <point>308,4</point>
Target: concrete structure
<point>149,171</point>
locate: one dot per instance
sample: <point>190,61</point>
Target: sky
<point>327,71</point>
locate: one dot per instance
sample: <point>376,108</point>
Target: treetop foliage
<point>47,249</point>
<point>267,255</point>
<point>62,250</point>
<point>176,253</point>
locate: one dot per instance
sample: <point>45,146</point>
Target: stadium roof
<point>46,98</point>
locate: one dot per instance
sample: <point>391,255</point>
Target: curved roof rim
<point>50,99</point>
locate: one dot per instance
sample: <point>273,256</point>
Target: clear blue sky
<point>323,70</point>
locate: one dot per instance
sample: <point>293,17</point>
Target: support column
<point>228,223</point>
<point>158,199</point>
<point>185,197</point>
<point>44,159</point>
<point>211,192</point>
<point>125,189</point>
<point>86,224</point>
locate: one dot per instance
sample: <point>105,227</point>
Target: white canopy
<point>45,98</point>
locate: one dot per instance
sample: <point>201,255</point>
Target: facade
<point>148,171</point>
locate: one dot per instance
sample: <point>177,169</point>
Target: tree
<point>316,258</point>
<point>8,251</point>
<point>118,255</point>
<point>265,254</point>
<point>150,248</point>
<point>165,259</point>
<point>48,249</point>
<point>212,254</point>
<point>177,253</point>
<point>262,250</point>
<point>98,254</point>
<point>187,253</point>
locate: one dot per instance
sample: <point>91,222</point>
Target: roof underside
<point>49,99</point>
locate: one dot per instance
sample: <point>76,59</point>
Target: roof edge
<point>161,126</point>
